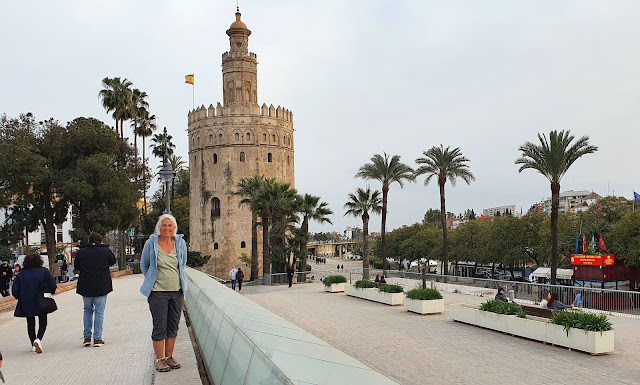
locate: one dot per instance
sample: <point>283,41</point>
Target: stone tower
<point>239,139</point>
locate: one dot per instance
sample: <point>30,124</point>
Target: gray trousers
<point>165,307</point>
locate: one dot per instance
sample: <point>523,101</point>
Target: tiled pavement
<point>126,358</point>
<point>414,349</point>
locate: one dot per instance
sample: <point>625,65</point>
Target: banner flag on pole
<point>592,244</point>
<point>584,243</point>
<point>188,79</point>
<point>577,235</point>
<point>601,243</point>
<point>636,197</point>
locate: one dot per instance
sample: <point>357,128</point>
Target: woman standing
<point>239,278</point>
<point>26,289</point>
<point>164,258</point>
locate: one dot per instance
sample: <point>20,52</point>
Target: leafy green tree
<point>552,158</point>
<point>248,189</point>
<point>603,215</point>
<point>396,237</point>
<point>5,253</point>
<point>624,239</point>
<point>567,228</point>
<point>432,217</point>
<point>310,208</point>
<point>387,171</point>
<point>360,204</point>
<point>470,242</point>
<point>444,164</point>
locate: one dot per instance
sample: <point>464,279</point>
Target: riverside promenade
<point>126,358</point>
<point>413,349</point>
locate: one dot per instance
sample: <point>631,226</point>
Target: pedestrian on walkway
<point>290,275</point>
<point>55,271</point>
<point>94,283</point>
<point>5,277</point>
<point>239,278</point>
<point>233,275</point>
<point>64,269</point>
<point>342,267</point>
<point>163,261</point>
<point>26,289</point>
<point>338,267</point>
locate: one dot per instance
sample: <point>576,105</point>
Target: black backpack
<point>240,275</point>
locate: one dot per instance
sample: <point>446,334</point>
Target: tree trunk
<point>303,249</point>
<point>50,234</point>
<point>383,232</point>
<point>117,126</point>
<point>266,257</point>
<point>365,245</point>
<point>443,217</point>
<point>135,136</point>
<point>144,175</point>
<point>424,275</point>
<point>555,202</point>
<point>254,246</point>
<point>121,128</point>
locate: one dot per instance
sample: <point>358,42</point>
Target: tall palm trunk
<point>443,216</point>
<point>121,128</point>
<point>117,125</point>
<point>303,248</point>
<point>383,233</point>
<point>50,235</point>
<point>365,245</point>
<point>555,202</point>
<point>144,175</point>
<point>254,246</point>
<point>266,257</point>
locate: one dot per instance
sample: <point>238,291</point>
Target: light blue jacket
<point>149,263</point>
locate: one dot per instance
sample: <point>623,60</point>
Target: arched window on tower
<point>215,158</point>
<point>248,137</point>
<point>210,138</point>
<point>219,138</point>
<point>264,137</point>
<point>269,157</point>
<point>243,244</point>
<point>215,207</point>
<point>215,246</point>
<point>273,138</point>
<point>288,159</point>
<point>242,156</point>
<point>237,137</point>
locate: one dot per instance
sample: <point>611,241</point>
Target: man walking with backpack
<point>94,283</point>
<point>232,274</point>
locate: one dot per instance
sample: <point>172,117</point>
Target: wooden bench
<point>536,311</point>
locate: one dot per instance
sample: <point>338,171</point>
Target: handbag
<point>46,303</point>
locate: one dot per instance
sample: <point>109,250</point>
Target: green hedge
<point>330,280</point>
<point>581,320</point>
<point>424,294</point>
<point>364,284</point>
<point>298,266</point>
<point>501,307</point>
<point>391,288</point>
<point>376,262</point>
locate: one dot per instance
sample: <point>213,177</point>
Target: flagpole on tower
<point>193,92</point>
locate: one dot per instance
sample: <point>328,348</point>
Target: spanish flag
<point>189,79</point>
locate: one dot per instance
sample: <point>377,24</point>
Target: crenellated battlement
<point>239,54</point>
<point>202,112</point>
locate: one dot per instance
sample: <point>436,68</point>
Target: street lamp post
<point>166,173</point>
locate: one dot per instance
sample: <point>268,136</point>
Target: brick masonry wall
<point>9,303</point>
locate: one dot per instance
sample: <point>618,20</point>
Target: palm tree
<point>248,189</point>
<point>552,158</point>
<point>387,171</point>
<point>163,145</point>
<point>116,96</point>
<point>360,205</point>
<point>146,126</point>
<point>444,163</point>
<point>176,163</point>
<point>139,110</point>
<point>310,208</point>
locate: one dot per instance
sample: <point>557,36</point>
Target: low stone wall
<point>9,303</point>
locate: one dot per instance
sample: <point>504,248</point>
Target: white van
<point>45,261</point>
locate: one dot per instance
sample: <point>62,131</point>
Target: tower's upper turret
<point>239,71</point>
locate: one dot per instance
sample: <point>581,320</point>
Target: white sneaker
<point>33,348</point>
<point>38,345</point>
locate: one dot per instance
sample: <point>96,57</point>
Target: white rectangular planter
<point>335,288</point>
<point>392,299</point>
<point>494,321</point>
<point>590,342</point>
<point>463,313</point>
<point>360,293</point>
<point>534,328</point>
<point>423,306</point>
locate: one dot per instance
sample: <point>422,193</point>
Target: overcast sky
<point>361,77</point>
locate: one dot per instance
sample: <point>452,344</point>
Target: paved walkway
<point>414,349</point>
<point>126,358</point>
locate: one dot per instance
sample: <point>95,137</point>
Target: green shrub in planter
<point>136,268</point>
<point>330,280</point>
<point>501,307</point>
<point>424,294</point>
<point>580,320</point>
<point>365,284</point>
<point>391,288</point>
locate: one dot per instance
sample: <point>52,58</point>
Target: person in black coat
<point>94,283</point>
<point>26,289</point>
<point>5,277</point>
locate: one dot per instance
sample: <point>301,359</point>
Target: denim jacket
<point>149,263</point>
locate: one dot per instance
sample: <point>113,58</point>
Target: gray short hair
<point>163,217</point>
